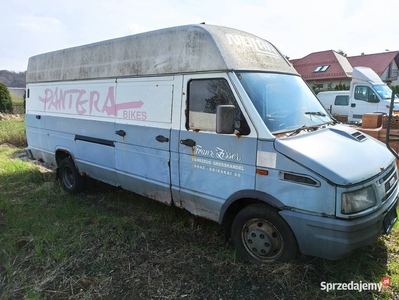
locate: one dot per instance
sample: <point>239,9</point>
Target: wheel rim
<point>262,240</point>
<point>67,177</point>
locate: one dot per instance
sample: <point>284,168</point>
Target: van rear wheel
<point>260,235</point>
<point>70,179</point>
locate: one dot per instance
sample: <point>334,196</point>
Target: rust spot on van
<point>206,213</point>
<point>192,151</point>
<point>188,205</point>
<point>160,197</point>
<point>196,130</point>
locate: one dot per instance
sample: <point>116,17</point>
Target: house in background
<point>324,69</point>
<point>327,69</point>
<point>385,64</point>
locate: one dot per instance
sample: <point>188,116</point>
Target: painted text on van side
<point>252,42</point>
<point>88,102</point>
<point>217,153</point>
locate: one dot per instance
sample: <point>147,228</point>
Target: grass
<point>18,104</point>
<point>16,99</point>
<point>12,132</point>
<point>112,244</point>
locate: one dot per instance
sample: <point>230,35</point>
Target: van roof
<point>182,49</point>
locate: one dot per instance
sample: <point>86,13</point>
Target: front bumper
<point>334,238</point>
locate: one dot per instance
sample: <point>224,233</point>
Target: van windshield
<point>284,102</point>
<point>384,91</point>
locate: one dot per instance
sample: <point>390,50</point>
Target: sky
<point>296,28</point>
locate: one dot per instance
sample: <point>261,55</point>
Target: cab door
<point>364,101</point>
<point>212,166</point>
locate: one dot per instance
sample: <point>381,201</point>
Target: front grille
<point>390,181</point>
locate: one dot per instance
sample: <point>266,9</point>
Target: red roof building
<point>384,64</point>
<point>326,69</point>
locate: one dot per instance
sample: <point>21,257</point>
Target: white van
<point>336,102</point>
<point>367,94</point>
<point>216,121</point>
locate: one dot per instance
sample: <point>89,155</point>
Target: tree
<point>5,99</point>
<point>315,88</point>
<point>342,53</point>
<point>395,89</point>
<point>341,87</point>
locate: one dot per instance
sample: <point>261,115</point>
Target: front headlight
<point>356,201</point>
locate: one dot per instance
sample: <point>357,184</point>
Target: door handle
<point>188,142</point>
<point>353,105</point>
<point>162,139</point>
<point>120,132</point>
<point>38,117</point>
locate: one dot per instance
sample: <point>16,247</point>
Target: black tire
<point>70,179</point>
<point>260,235</point>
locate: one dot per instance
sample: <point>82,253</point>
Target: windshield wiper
<point>304,127</point>
<point>315,113</point>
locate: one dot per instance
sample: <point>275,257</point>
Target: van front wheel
<point>260,235</point>
<point>70,179</point>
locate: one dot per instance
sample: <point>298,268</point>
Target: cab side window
<point>204,96</point>
<point>364,93</point>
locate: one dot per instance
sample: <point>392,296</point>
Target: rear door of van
<point>142,136</point>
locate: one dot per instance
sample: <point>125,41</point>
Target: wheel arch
<point>241,199</point>
<point>72,181</point>
<point>61,154</point>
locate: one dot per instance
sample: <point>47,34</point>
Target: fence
<point>18,108</point>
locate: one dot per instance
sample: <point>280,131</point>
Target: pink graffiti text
<point>85,103</point>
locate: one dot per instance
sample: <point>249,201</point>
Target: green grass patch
<point>44,229</point>
<point>13,131</point>
<point>15,99</point>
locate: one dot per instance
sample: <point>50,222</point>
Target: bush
<point>395,89</point>
<point>5,99</point>
<point>341,87</point>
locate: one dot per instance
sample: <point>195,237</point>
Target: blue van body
<point>216,121</point>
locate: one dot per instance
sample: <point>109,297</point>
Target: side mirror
<point>225,119</point>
